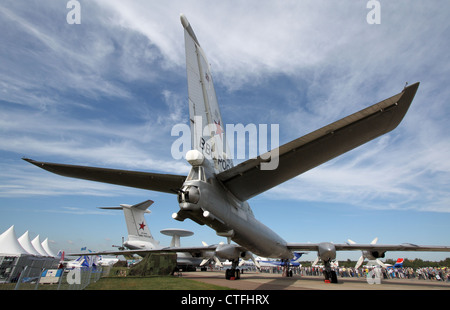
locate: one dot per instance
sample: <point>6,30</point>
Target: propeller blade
<point>218,262</point>
<point>204,261</point>
<point>316,261</point>
<point>360,261</point>
<point>380,263</point>
<point>257,264</point>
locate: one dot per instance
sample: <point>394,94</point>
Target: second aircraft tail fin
<point>134,218</point>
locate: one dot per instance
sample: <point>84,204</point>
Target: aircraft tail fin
<point>207,127</point>
<point>60,255</point>
<point>399,263</point>
<point>297,256</point>
<point>134,218</point>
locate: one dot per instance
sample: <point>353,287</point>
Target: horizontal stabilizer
<point>167,183</point>
<point>143,206</point>
<point>247,180</point>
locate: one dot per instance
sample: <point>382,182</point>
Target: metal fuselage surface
<point>206,201</point>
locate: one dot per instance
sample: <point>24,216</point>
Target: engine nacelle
<point>228,251</point>
<point>246,255</point>
<point>188,197</point>
<point>377,254</point>
<point>327,251</point>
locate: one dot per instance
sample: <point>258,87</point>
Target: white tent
<point>25,241</point>
<point>12,255</point>
<point>9,245</point>
<point>21,255</point>
<point>37,245</point>
<point>46,248</point>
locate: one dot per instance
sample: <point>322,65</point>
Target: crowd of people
<point>427,273</point>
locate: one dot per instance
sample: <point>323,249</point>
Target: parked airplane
<point>82,261</point>
<point>398,264</point>
<point>266,262</point>
<point>88,260</point>
<point>215,192</point>
<point>107,261</point>
<point>139,236</point>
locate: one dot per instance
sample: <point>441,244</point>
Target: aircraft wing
<point>151,181</point>
<point>324,247</point>
<point>247,180</point>
<point>380,248</point>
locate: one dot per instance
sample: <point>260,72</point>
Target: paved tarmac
<point>266,281</point>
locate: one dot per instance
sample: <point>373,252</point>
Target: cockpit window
<point>196,174</point>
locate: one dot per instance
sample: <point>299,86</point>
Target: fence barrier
<point>55,279</point>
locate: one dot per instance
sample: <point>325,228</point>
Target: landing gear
<point>329,274</point>
<point>287,272</point>
<point>233,273</point>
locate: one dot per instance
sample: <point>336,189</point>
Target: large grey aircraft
<point>215,192</point>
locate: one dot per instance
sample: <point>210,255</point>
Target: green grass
<point>151,283</point>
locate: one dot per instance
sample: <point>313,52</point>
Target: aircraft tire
<point>227,274</point>
<point>333,277</point>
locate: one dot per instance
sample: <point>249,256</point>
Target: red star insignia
<point>141,226</point>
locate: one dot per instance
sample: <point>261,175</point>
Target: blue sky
<point>108,91</point>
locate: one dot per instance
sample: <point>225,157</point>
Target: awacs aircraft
<point>215,192</point>
<point>140,237</point>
